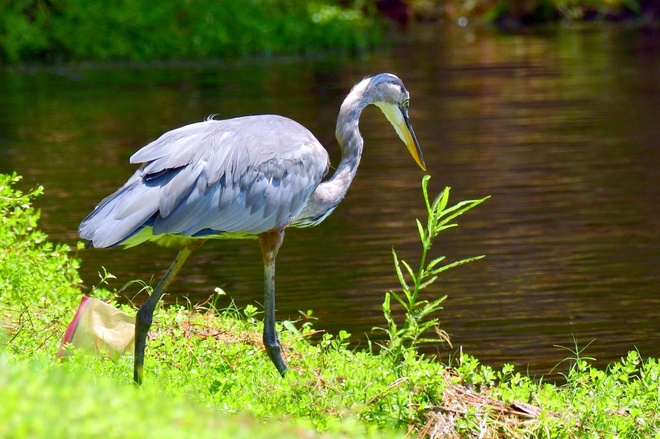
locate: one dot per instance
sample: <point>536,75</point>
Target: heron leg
<point>145,314</point>
<point>270,244</point>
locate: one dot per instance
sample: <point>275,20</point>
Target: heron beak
<point>398,117</point>
<point>410,139</point>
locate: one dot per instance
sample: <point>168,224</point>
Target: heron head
<point>390,95</point>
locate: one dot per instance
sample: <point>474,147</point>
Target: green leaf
<point>399,273</point>
<point>386,304</point>
<point>410,271</point>
<point>459,209</point>
<point>427,283</point>
<point>400,300</point>
<point>432,307</point>
<point>422,232</point>
<point>434,262</point>
<point>289,326</point>
<point>425,182</point>
<point>428,325</point>
<point>441,201</point>
<point>441,228</point>
<point>456,264</point>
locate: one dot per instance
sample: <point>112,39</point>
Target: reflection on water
<point>560,128</point>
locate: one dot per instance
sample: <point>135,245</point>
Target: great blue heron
<point>239,178</point>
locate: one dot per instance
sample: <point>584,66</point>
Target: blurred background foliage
<point>60,30</point>
<point>66,30</point>
<point>507,13</point>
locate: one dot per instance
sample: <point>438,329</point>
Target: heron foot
<point>274,352</point>
<point>143,321</point>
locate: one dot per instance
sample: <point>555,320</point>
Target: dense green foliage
<point>209,377</point>
<point>28,255</point>
<point>193,29</point>
<point>35,274</point>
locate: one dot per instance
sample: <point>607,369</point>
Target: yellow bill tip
<point>398,117</point>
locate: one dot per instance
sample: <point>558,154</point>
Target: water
<point>560,127</point>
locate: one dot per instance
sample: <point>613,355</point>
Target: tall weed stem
<point>418,313</point>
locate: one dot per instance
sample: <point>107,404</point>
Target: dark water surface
<point>561,128</point>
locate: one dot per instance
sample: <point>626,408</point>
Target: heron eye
<point>406,103</point>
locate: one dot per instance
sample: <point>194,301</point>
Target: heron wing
<point>243,175</point>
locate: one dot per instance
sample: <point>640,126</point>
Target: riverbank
<point>138,30</point>
<point>207,374</point>
<point>79,31</point>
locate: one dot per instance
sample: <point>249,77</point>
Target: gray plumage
<point>245,175</point>
<point>250,176</point>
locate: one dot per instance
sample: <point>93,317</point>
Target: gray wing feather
<point>121,214</point>
<point>243,175</point>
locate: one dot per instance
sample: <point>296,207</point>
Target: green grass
<point>41,399</point>
<point>207,374</point>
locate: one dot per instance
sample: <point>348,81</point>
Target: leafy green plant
<point>33,270</point>
<point>39,282</point>
<point>418,312</point>
<point>576,360</point>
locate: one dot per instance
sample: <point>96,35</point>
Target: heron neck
<point>351,144</point>
<point>329,193</point>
